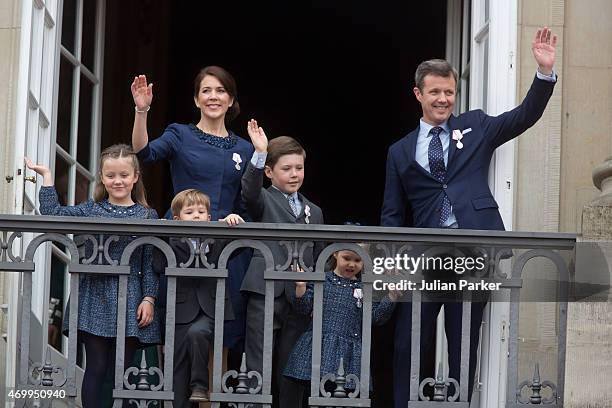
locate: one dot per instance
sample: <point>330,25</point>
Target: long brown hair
<point>120,151</point>
<point>228,82</point>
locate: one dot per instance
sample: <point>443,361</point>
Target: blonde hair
<point>188,197</point>
<point>120,151</point>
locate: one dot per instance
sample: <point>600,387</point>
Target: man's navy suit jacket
<point>411,191</point>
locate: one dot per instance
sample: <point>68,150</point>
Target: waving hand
<point>543,48</point>
<point>141,92</point>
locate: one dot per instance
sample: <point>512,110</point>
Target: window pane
<point>56,302</point>
<point>89,33</point>
<point>469,32</point>
<point>81,192</point>
<point>61,179</point>
<point>466,95</point>
<point>46,62</point>
<point>69,24</point>
<point>84,133</point>
<point>485,79</point>
<point>64,104</point>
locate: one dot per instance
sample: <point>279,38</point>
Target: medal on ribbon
<point>358,294</point>
<point>457,135</point>
<point>237,159</point>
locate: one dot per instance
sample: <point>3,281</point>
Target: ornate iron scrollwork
<point>244,379</point>
<point>536,387</point>
<point>6,246</point>
<point>340,379</point>
<point>440,387</point>
<point>42,373</point>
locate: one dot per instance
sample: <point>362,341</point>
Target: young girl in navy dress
<point>119,193</point>
<point>342,314</point>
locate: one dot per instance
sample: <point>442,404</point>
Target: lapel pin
<point>237,159</point>
<point>307,212</point>
<point>358,294</point>
<point>457,135</point>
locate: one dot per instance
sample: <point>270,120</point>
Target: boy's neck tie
<point>293,205</point>
<point>437,168</point>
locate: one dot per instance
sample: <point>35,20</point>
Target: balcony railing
<point>17,255</point>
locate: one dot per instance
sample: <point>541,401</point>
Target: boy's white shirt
<point>194,244</point>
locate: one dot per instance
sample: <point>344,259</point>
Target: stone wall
<point>589,334</point>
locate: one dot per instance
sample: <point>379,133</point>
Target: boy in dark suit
<point>195,303</point>
<point>282,161</point>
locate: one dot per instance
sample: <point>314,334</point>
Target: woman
<point>205,156</point>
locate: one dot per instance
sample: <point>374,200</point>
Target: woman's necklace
<point>226,142</point>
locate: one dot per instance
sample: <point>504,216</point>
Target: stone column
<point>589,328</point>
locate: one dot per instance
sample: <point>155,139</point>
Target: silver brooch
<point>358,294</point>
<point>237,159</point>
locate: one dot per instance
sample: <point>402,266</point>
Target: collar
<point>294,195</point>
<point>426,127</point>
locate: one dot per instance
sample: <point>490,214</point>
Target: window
<point>79,101</point>
<point>477,51</point>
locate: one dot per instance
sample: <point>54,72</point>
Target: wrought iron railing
<point>134,384</point>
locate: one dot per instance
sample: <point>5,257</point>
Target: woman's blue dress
<point>213,165</point>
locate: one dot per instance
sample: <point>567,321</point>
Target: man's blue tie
<point>437,168</point>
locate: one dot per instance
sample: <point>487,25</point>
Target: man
<point>438,174</point>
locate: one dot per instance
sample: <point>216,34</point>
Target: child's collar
<point>287,195</point>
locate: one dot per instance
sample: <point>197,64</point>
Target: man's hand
<point>543,48</point>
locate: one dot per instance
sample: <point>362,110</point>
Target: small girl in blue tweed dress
<point>119,193</point>
<point>342,315</point>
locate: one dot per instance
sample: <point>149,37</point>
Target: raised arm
<point>509,125</point>
<point>48,201</point>
<point>143,96</point>
<point>543,49</point>
<point>252,179</point>
<point>258,137</point>
<point>41,170</point>
<point>302,298</point>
